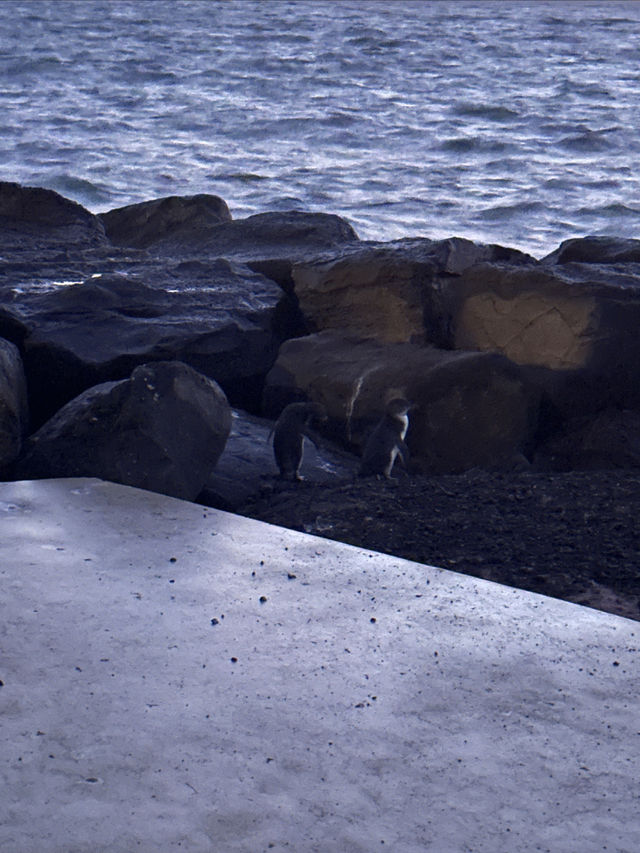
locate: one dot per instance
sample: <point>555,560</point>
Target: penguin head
<point>399,406</point>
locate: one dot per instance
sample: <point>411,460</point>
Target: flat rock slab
<point>179,678</point>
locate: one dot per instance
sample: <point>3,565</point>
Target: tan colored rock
<point>372,293</point>
<point>530,328</point>
<point>472,409</point>
<point>385,291</point>
<point>569,317</point>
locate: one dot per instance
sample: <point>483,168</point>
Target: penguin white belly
<point>405,427</point>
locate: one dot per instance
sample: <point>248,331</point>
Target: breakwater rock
<point>162,429</point>
<point>512,362</point>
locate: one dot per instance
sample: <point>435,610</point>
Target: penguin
<point>289,433</point>
<point>386,442</point>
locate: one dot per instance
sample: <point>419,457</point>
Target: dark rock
<point>163,429</point>
<point>14,413</point>
<point>607,441</point>
<point>268,242</point>
<point>141,225</point>
<point>47,241</point>
<point>596,250</point>
<point>387,291</point>
<point>247,467</point>
<point>471,409</point>
<point>221,318</point>
<point>32,218</point>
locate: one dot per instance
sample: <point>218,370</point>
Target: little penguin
<point>386,442</point>
<point>289,433</point>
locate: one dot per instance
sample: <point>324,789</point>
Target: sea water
<point>507,122</point>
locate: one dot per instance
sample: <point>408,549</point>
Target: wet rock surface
<point>572,536</point>
<point>219,317</point>
<point>247,465</point>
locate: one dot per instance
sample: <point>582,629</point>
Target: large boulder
<point>562,317</point>
<point>223,319</point>
<point>41,216</point>
<point>596,250</point>
<point>48,241</point>
<point>162,429</point>
<point>575,325</point>
<point>14,414</point>
<point>386,291</point>
<point>140,225</point>
<point>270,243</point>
<point>471,409</point>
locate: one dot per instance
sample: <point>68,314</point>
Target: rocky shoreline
<point>153,345</point>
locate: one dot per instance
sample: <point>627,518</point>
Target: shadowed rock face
<point>162,429</point>
<point>84,311</point>
<point>270,243</point>
<point>36,207</point>
<point>14,413</point>
<point>471,409</point>
<point>609,439</point>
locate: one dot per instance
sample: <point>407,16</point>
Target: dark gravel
<point>573,536</point>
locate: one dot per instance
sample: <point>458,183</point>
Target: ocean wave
<point>610,210</point>
<point>471,144</point>
<point>492,112</point>
<point>585,89</point>
<point>87,192</point>
<point>27,66</point>
<point>589,141</point>
<point>510,211</point>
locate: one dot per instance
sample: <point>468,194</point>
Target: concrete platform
<point>179,678</point>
